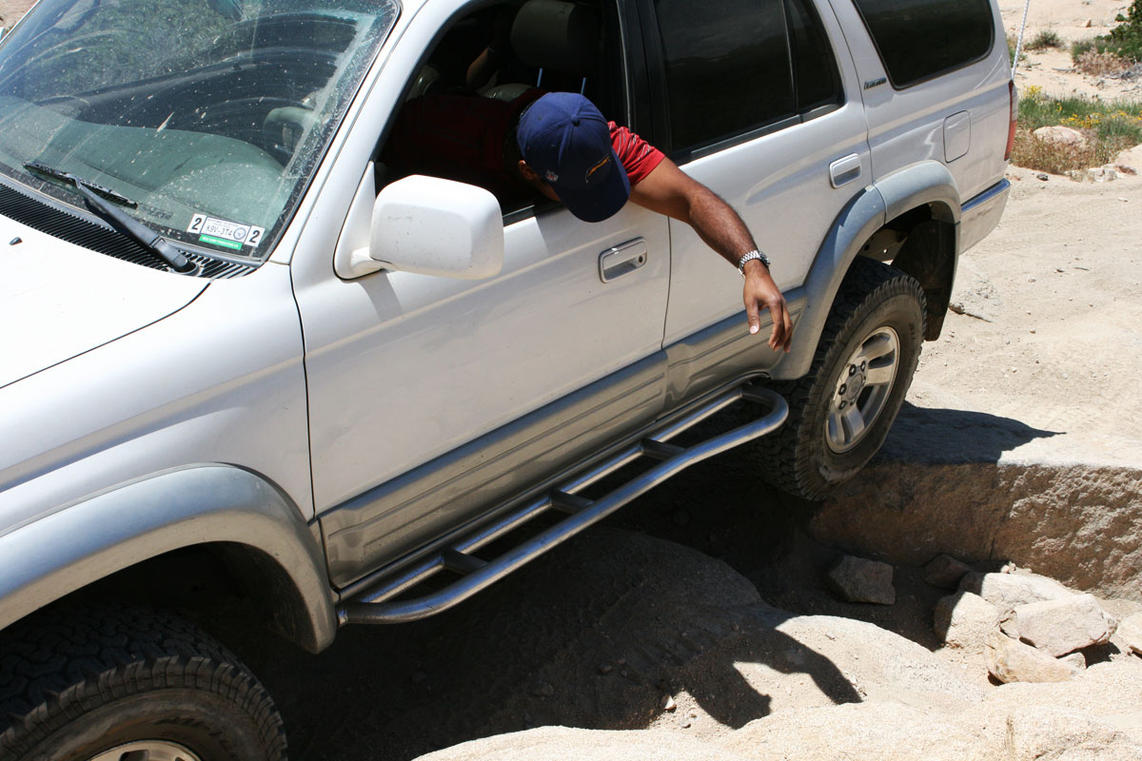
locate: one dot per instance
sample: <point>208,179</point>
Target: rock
<point>668,703</point>
<point>1065,136</point>
<point>965,620</point>
<point>1105,173</point>
<point>945,572</point>
<point>859,580</point>
<point>565,744</point>
<point>876,730</point>
<point>942,483</point>
<point>1075,661</point>
<point>1130,630</point>
<point>1010,660</point>
<point>1042,176</point>
<point>1010,590</point>
<point>1038,733</point>
<point>1059,627</point>
<point>1125,169</point>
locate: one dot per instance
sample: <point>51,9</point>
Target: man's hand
<point>761,292</point>
<point>670,191</point>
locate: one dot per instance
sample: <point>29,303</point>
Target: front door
<point>404,368</point>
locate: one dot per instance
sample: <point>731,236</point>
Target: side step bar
<point>376,606</point>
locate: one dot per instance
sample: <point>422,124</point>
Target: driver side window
<point>461,108</point>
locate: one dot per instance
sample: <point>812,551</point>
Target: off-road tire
<point>799,458</point>
<point>86,680</point>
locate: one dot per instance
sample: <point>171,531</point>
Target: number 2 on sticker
<point>196,223</point>
<point>255,236</point>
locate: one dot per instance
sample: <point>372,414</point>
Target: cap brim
<point>601,200</point>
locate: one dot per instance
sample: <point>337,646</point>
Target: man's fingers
<point>752,315</point>
<point>788,329</point>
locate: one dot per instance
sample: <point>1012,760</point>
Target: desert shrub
<point>1108,127</point>
<point>1040,155</point>
<point>1123,41</point>
<point>1047,38</point>
<point>1100,63</point>
<point>1080,47</point>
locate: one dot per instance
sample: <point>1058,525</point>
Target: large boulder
<point>1010,660</point>
<point>1062,626</point>
<point>860,580</point>
<point>565,744</point>
<point>1010,590</point>
<point>945,572</point>
<point>1130,630</point>
<point>881,730</point>
<point>937,488</point>
<point>965,620</point>
<point>1063,136</point>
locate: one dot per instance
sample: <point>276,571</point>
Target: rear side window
<point>814,68</point>
<point>727,68</point>
<point>918,39</point>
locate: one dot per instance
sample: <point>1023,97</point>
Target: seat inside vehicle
<point>505,51</point>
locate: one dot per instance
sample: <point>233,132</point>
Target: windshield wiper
<point>137,231</point>
<point>70,178</point>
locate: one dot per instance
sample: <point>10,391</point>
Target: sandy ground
<point>1052,334</point>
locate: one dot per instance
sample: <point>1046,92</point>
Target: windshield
<point>207,114</point>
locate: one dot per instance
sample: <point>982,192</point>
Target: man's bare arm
<point>670,191</point>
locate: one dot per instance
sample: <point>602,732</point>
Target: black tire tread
<point>787,454</point>
<point>55,668</point>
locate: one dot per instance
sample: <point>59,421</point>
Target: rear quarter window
<point>919,39</point>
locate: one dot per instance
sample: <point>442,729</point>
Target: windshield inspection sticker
<point>219,232</point>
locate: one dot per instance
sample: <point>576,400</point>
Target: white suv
<point>237,346</point>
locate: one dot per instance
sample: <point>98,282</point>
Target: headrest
<point>556,34</point>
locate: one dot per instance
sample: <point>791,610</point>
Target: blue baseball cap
<point>564,138</point>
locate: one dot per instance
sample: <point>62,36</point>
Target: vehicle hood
<point>58,300</point>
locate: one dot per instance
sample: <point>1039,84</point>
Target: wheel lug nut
<point>844,404</point>
<point>844,388</point>
<point>852,369</point>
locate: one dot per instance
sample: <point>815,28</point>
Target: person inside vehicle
<point>560,146</point>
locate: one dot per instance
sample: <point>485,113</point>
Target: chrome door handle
<point>844,170</point>
<point>621,259</point>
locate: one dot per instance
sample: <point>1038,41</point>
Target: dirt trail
<point>1052,336</point>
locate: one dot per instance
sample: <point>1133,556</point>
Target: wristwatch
<point>749,257</point>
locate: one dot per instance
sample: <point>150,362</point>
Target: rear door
<point>935,82</point>
<point>754,102</point>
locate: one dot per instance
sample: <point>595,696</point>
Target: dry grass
<point>1048,38</point>
<point>1107,127</point>
<point>1033,153</point>
<point>1099,64</point>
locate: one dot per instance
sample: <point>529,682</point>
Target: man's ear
<point>527,172</point>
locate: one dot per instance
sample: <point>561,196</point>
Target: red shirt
<point>636,155</point>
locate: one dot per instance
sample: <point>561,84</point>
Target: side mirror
<point>422,224</point>
<point>437,227</point>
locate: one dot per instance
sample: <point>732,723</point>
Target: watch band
<point>749,257</point>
